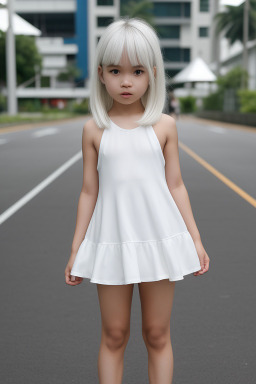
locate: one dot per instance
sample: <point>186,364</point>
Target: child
<point>134,219</point>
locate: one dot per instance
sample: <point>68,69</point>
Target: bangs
<point>137,48</point>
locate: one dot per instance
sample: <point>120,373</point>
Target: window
<point>204,5</point>
<point>174,9</point>
<point>203,31</point>
<point>104,21</point>
<point>168,31</point>
<point>105,2</point>
<point>176,54</point>
<point>52,24</point>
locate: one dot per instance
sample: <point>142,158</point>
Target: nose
<point>126,81</point>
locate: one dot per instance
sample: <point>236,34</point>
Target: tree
<point>70,73</point>
<point>141,9</point>
<point>27,56</point>
<point>231,22</point>
<point>238,23</point>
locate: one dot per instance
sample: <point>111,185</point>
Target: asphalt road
<point>50,332</point>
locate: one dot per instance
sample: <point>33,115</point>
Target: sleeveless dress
<point>136,232</point>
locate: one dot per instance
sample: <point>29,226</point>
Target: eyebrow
<point>134,66</point>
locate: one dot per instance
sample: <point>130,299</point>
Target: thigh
<point>156,303</point>
<point>115,305</point>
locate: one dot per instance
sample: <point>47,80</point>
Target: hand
<point>203,257</point>
<point>78,280</point>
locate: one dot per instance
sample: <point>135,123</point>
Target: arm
<point>178,189</point>
<point>88,195</point>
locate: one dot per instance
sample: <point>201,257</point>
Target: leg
<point>156,304</point>
<point>115,305</point>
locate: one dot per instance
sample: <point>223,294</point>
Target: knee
<point>156,336</point>
<point>116,337</point>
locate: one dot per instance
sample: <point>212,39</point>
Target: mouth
<point>125,93</point>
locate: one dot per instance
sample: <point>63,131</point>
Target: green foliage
<point>233,79</point>
<point>27,56</point>
<point>3,103</point>
<point>187,104</point>
<point>45,81</point>
<point>29,105</point>
<point>142,9</point>
<point>213,102</point>
<point>247,100</point>
<point>81,108</point>
<point>231,22</point>
<point>70,74</point>
<point>229,81</point>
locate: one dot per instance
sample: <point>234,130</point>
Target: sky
<point>231,2</point>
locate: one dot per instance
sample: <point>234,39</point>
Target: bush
<point>187,104</point>
<point>82,107</point>
<point>213,102</point>
<point>3,103</point>
<point>30,105</point>
<point>247,101</point>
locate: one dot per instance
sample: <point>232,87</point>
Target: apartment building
<point>72,28</point>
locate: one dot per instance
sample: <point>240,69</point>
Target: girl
<point>134,219</point>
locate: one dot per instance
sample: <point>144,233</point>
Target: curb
<point>222,124</point>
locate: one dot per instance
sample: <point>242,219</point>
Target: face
<point>124,78</point>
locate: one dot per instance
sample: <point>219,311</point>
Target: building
<point>72,28</point>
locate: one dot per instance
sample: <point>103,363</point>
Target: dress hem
<point>178,278</point>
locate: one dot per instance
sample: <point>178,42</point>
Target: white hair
<point>141,43</point>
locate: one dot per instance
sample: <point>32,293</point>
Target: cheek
<point>146,83</point>
<point>110,83</point>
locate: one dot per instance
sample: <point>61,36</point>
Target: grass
<point>21,118</point>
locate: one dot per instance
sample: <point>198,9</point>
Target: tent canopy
<point>196,71</point>
<point>20,26</point>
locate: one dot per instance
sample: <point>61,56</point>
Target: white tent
<point>196,71</point>
<point>20,26</point>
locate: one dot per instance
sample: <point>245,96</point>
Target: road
<point>50,332</point>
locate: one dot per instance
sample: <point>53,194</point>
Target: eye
<point>113,70</point>
<point>140,70</point>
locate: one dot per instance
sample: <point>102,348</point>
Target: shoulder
<point>90,126</point>
<point>90,129</point>
<point>168,125</point>
<point>167,119</point>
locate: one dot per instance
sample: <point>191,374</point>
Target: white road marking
<point>53,176</point>
<point>3,141</point>
<point>217,129</point>
<point>45,132</point>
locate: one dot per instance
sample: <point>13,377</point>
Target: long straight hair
<point>142,45</point>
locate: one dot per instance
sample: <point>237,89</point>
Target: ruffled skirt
<point>137,261</point>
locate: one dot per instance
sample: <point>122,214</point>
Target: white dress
<point>136,232</point>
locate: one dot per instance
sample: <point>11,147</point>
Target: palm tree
<point>231,22</point>
<point>238,24</point>
<point>142,9</point>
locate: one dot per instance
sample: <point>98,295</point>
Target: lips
<point>125,93</point>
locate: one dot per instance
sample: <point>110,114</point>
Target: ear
<point>154,68</point>
<point>100,73</point>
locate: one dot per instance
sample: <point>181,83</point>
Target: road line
<point>26,198</point>
<point>219,175</point>
<point>45,132</point>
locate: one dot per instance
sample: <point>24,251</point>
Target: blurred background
<point>47,50</point>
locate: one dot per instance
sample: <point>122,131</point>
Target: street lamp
<point>11,62</point>
<point>245,39</point>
